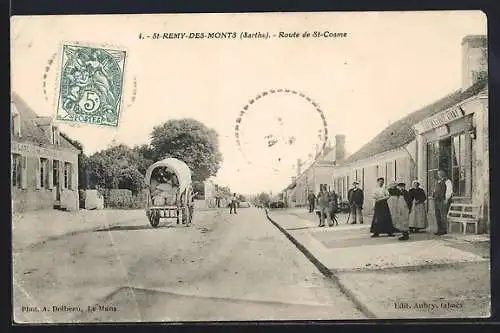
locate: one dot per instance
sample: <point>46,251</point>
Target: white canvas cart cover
<point>177,166</point>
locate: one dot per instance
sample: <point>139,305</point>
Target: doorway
<point>56,180</point>
<point>438,158</point>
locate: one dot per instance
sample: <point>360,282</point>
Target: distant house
<point>317,174</point>
<point>44,165</point>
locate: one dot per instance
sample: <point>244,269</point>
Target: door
<point>56,180</point>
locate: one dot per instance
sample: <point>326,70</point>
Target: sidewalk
<point>393,279</point>
<point>34,227</point>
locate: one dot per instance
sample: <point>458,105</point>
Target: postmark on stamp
<point>91,85</point>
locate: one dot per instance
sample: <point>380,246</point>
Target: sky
<point>389,65</point>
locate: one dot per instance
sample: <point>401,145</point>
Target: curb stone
<point>325,271</point>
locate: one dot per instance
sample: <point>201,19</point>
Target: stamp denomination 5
<point>91,85</point>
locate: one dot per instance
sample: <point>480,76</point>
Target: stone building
<point>44,165</point>
<point>449,134</point>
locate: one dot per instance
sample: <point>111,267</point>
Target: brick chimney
<point>474,59</point>
<point>339,148</point>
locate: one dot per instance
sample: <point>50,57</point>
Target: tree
<point>199,187</point>
<point>223,191</point>
<point>130,178</point>
<point>190,141</point>
<point>264,199</point>
<point>144,156</point>
<point>117,167</point>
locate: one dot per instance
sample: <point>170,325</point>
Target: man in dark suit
<point>311,198</point>
<point>356,198</point>
<point>443,193</point>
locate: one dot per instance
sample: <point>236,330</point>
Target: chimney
<point>299,165</point>
<point>339,148</point>
<point>474,59</point>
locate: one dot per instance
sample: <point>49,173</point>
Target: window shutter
<point>24,171</point>
<point>50,173</point>
<point>62,167</point>
<point>38,164</point>
<point>70,176</point>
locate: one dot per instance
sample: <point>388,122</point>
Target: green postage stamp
<point>91,85</point>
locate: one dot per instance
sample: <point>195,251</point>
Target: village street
<point>425,277</point>
<point>223,267</point>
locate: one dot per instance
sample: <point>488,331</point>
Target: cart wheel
<point>155,219</point>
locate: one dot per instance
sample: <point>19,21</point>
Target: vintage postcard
<point>241,167</point>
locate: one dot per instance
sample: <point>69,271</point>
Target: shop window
<point>16,171</point>
<point>452,155</point>
<point>461,174</point>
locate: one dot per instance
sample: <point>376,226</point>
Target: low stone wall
<point>122,198</point>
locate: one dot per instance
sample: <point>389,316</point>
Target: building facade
<point>456,139</point>
<point>451,134</point>
<point>393,165</point>
<point>44,165</point>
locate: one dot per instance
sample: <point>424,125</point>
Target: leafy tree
<point>117,167</point>
<point>199,187</point>
<point>144,156</point>
<point>190,141</point>
<point>223,191</point>
<point>130,178</point>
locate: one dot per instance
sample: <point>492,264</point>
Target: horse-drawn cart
<point>169,192</point>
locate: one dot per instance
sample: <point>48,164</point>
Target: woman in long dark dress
<point>381,222</point>
<point>418,215</point>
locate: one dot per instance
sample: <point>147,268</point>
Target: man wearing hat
<point>356,198</point>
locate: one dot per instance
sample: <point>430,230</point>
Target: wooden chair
<point>464,214</point>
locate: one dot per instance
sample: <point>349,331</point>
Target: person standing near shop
<point>333,206</point>
<point>418,215</point>
<point>398,207</point>
<point>442,199</point>
<point>405,194</point>
<point>233,204</point>
<point>311,198</point>
<point>323,206</point>
<point>381,222</point>
<point>356,198</point>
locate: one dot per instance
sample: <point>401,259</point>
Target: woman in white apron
<point>399,211</point>
<point>418,215</point>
